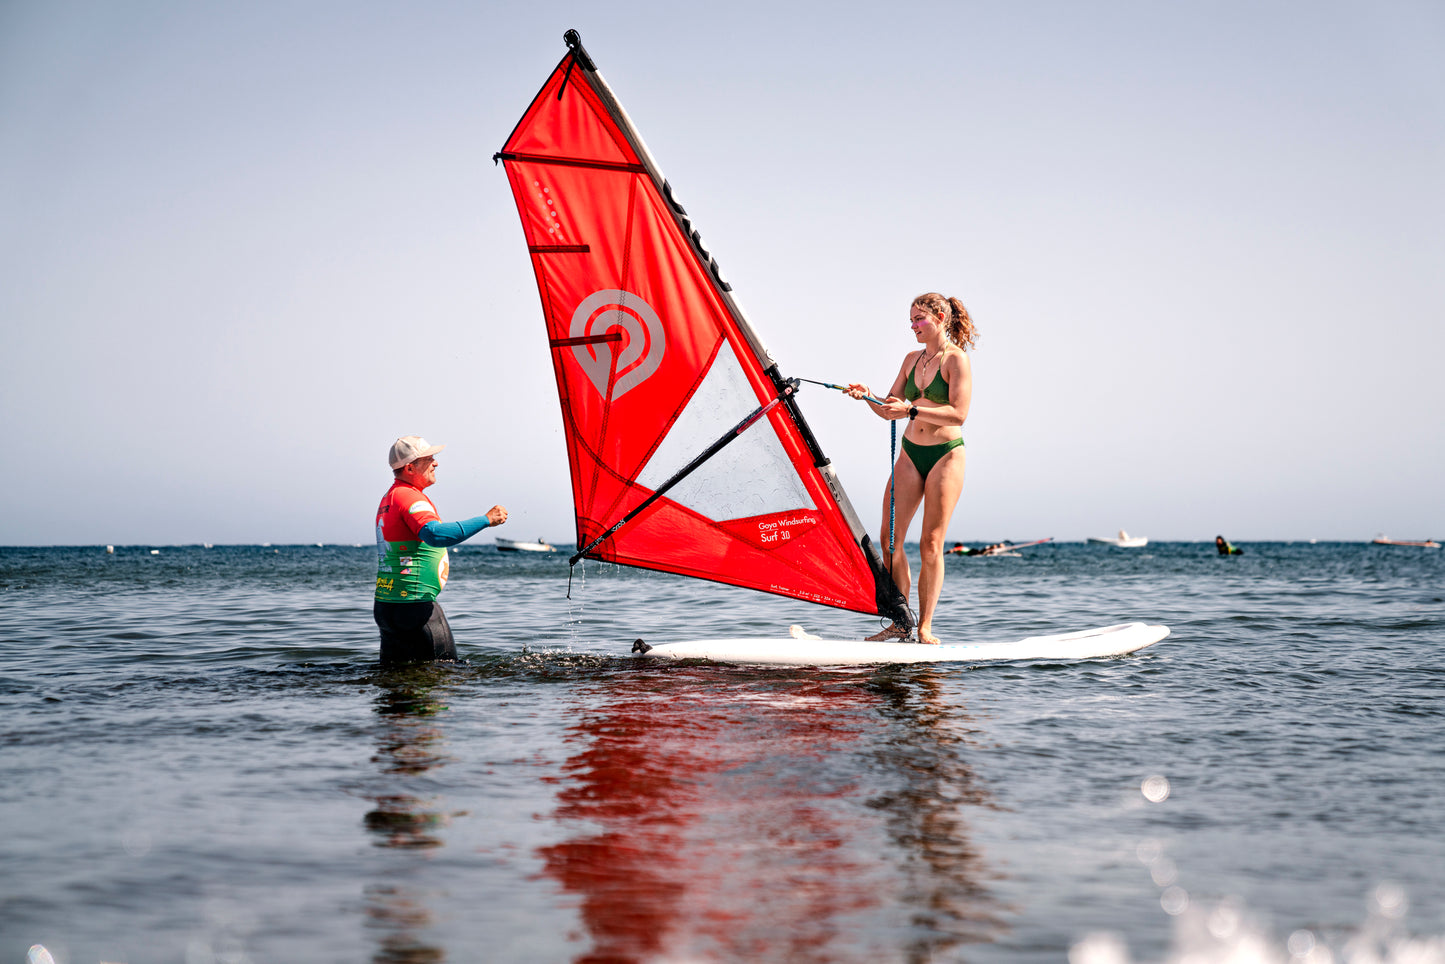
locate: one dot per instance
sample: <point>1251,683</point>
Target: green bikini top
<point>937,390</point>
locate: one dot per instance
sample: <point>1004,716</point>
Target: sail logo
<point>643,342</point>
<point>775,530</point>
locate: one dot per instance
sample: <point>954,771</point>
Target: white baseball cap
<point>409,448</point>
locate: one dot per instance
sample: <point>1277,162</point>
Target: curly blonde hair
<point>957,322</point>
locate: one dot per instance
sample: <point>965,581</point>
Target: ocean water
<point>201,761</point>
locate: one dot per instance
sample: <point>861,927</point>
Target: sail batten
<point>571,162</point>
<point>559,248</point>
<point>686,446</point>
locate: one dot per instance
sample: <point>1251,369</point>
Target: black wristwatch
<point>912,412</point>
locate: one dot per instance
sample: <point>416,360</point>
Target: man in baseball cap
<point>409,448</point>
<point>412,564</point>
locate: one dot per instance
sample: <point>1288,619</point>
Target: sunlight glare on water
<point>1228,934</point>
<point>1155,788</point>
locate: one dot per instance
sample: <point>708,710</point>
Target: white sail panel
<point>752,476</point>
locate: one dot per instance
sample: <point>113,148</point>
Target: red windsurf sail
<point>687,449</point>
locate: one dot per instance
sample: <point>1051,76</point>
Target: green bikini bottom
<point>925,457</point>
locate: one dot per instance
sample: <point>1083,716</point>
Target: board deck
<point>789,651</point>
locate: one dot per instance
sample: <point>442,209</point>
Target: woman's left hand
<point>894,408</point>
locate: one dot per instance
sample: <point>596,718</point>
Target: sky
<point>245,246</point>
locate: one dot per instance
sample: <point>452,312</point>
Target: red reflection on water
<point>724,829</point>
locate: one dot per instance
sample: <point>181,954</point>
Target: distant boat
<point>511,545</point>
<point>1123,540</point>
<point>1421,544</point>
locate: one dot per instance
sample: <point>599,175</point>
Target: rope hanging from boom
<point>892,473</point>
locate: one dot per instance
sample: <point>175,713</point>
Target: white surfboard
<point>790,651</point>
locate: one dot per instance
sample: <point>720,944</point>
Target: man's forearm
<point>443,534</point>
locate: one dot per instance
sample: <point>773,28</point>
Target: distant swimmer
<point>1225,549</point>
<point>932,390</point>
<point>412,564</point>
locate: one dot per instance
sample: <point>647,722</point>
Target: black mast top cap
<point>573,39</point>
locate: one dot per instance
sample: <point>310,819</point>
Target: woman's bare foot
<point>891,631</point>
<point>926,636</point>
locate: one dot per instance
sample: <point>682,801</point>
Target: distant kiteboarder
<point>959,549</point>
<point>1225,549</point>
<point>996,549</point>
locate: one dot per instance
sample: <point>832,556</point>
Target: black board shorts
<point>413,632</point>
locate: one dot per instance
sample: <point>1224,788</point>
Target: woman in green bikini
<point>932,391</point>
